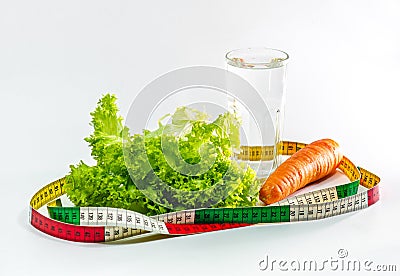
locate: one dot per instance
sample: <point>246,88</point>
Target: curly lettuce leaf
<point>108,182</point>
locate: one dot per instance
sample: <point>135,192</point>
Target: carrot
<point>313,162</point>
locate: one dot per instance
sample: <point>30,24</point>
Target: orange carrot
<point>309,164</point>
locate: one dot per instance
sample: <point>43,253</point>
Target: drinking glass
<point>265,70</point>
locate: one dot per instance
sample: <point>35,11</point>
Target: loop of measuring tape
<point>102,224</point>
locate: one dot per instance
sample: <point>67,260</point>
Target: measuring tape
<point>103,224</point>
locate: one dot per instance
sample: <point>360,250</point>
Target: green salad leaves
<point>185,162</point>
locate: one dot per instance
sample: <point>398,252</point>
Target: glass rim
<point>275,62</point>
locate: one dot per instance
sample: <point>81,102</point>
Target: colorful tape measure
<point>266,153</point>
<point>102,224</point>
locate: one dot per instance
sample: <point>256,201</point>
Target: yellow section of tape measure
<point>48,193</point>
<point>266,153</point>
<point>349,169</point>
<point>368,179</point>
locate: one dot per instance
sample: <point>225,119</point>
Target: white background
<point>57,58</point>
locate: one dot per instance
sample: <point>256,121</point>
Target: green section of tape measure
<point>348,189</point>
<point>251,215</point>
<point>65,214</point>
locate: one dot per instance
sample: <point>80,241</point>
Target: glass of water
<point>265,70</point>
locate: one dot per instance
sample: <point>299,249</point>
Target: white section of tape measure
<point>180,217</point>
<point>364,200</point>
<point>92,216</point>
<point>121,218</point>
<point>314,197</point>
<point>102,216</point>
<point>84,216</point>
<point>128,232</point>
<point>189,217</point>
<point>111,217</point>
<point>171,218</point>
<point>324,210</point>
<point>112,233</point>
<point>320,211</point>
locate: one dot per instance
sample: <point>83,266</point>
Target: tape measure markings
<point>248,215</point>
<point>48,193</point>
<point>106,216</point>
<point>81,233</point>
<point>99,224</point>
<point>266,153</point>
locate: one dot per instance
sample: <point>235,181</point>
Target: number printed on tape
<point>99,224</point>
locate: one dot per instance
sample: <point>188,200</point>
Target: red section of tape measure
<point>184,229</point>
<point>67,231</point>
<point>373,195</point>
<point>96,233</point>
